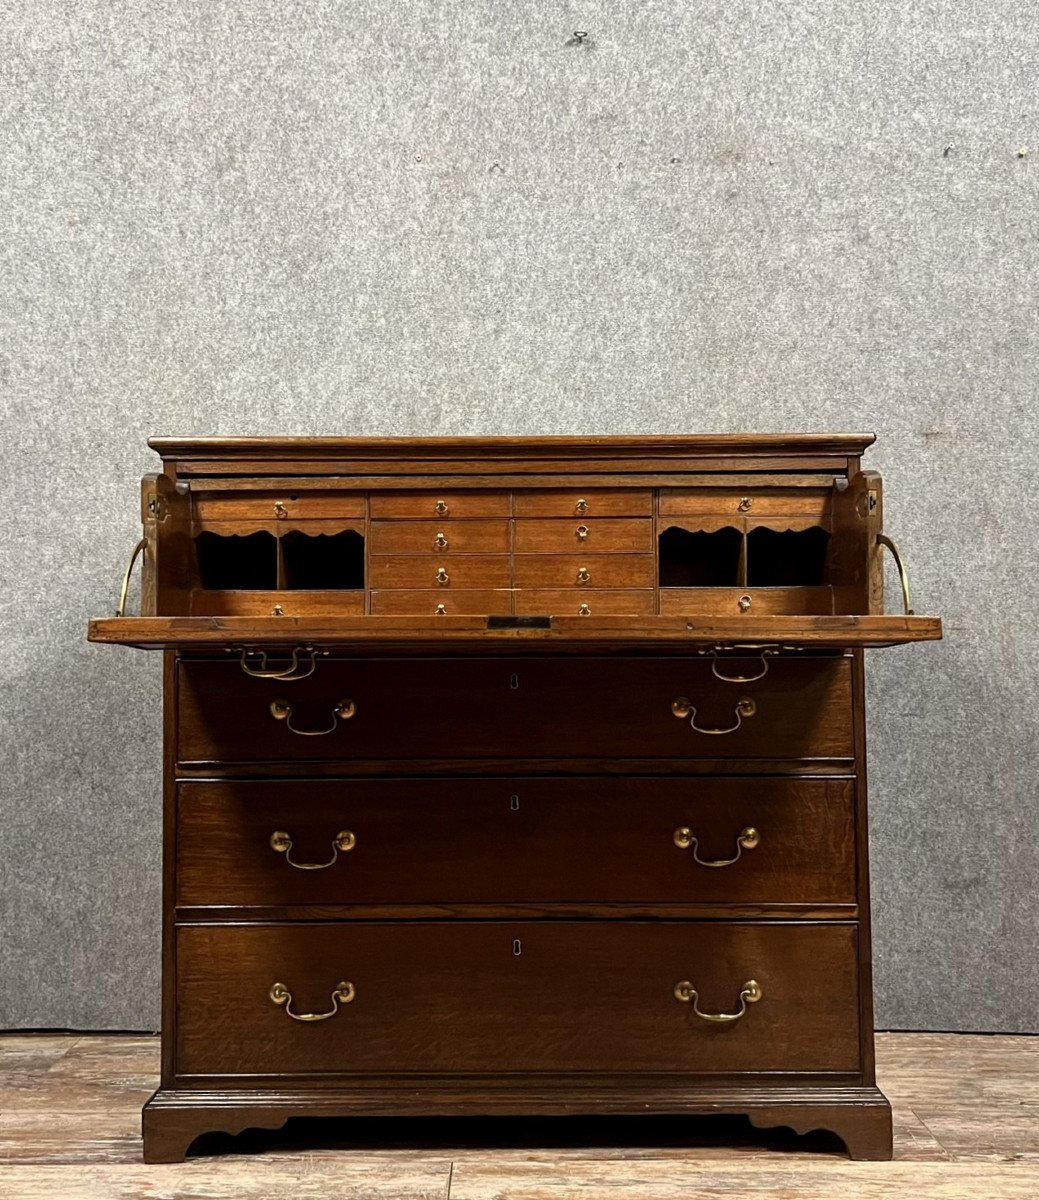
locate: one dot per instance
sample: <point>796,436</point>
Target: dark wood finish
<point>502,707</point>
<point>517,996</point>
<point>507,892</point>
<point>516,840</point>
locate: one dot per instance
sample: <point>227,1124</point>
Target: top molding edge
<point>738,445</point>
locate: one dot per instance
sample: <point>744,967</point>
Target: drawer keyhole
<point>517,947</point>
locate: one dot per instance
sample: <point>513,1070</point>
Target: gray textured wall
<point>331,218</point>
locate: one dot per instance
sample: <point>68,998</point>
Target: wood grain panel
<point>569,570</point>
<point>507,996</point>
<point>440,504</point>
<point>388,571</point>
<point>581,502</point>
<point>500,707</point>
<point>420,537</point>
<point>577,601</point>
<point>602,536</point>
<point>516,840</point>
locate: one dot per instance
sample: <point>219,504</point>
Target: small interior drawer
<point>605,535</point>
<point>448,572</point>
<point>277,505</point>
<point>583,503</point>
<point>585,571</point>
<point>438,537</point>
<point>443,601</point>
<point>808,502</point>
<point>434,505</point>
<point>585,602</point>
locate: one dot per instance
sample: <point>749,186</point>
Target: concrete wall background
<point>440,218</point>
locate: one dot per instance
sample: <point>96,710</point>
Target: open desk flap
<point>357,632</point>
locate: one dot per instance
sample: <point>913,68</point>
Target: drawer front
<point>578,602</point>
<point>242,603</point>
<point>781,502</point>
<point>580,504</point>
<point>439,506</point>
<point>455,602</point>
<point>751,602</point>
<point>277,506</point>
<point>516,841</point>
<point>516,996</point>
<point>603,536</point>
<point>447,572</point>
<point>585,571</point>
<point>529,708</point>
<point>436,537</point>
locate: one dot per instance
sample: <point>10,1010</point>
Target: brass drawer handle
<point>280,511</point>
<point>282,843</point>
<point>903,577</point>
<point>682,707</point>
<point>745,602</point>
<point>685,839</point>
<point>584,611</point>
<point>440,610</point>
<point>582,533</point>
<point>750,993</point>
<point>288,673</point>
<point>440,542</point>
<point>744,504</point>
<point>581,506</point>
<point>740,678</point>
<point>441,508</point>
<point>343,994</point>
<point>281,710</point>
<point>584,575</point>
<point>442,576</point>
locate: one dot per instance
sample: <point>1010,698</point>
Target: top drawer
<point>576,503</point>
<point>520,708</point>
<point>439,506</point>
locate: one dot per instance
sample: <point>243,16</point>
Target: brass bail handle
<point>288,674</point>
<point>281,710</point>
<point>740,678</point>
<point>124,591</point>
<point>343,993</point>
<point>281,842</point>
<point>750,993</point>
<point>685,839</point>
<point>682,707</point>
<point>903,577</point>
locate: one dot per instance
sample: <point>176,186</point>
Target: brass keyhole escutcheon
<point>442,576</point>
<point>441,508</point>
<point>745,602</point>
<point>583,575</point>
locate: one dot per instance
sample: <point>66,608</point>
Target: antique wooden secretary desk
<point>515,776</point>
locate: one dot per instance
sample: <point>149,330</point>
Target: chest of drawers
<point>515,777</point>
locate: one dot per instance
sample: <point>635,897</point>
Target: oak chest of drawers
<point>515,777</point>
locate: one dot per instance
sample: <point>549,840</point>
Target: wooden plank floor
<point>966,1126</point>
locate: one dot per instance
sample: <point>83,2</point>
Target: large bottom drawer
<point>474,997</point>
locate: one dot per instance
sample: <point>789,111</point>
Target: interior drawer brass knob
<point>745,602</point>
<point>282,843</point>
<point>582,533</point>
<point>441,508</point>
<point>744,504</point>
<point>281,710</point>
<point>442,576</point>
<point>584,611</point>
<point>440,542</point>
<point>685,839</point>
<point>750,993</point>
<point>583,575</point>
<point>682,707</point>
<point>280,511</point>
<point>343,994</point>
<point>581,506</point>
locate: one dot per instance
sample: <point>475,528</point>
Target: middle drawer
<point>514,841</point>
